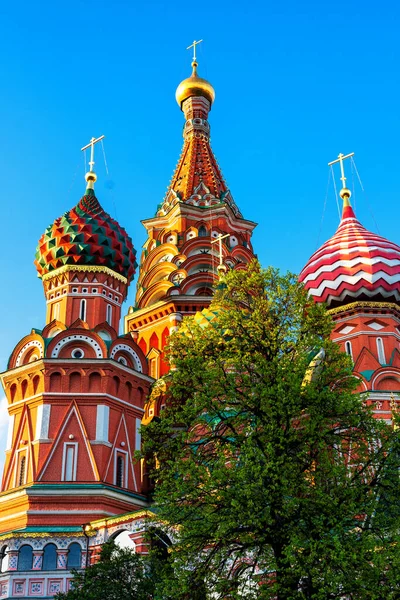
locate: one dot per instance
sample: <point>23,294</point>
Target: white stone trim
<point>102,422</point>
<point>126,348</point>
<point>32,343</point>
<point>77,338</point>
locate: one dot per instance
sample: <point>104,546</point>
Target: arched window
<point>55,382</point>
<point>115,386</point>
<point>24,387</point>
<point>50,558</point>
<point>202,231</point>
<point>128,390</point>
<point>119,480</point>
<point>75,382</point>
<point>82,311</point>
<point>25,558</point>
<point>94,382</point>
<point>4,559</point>
<point>109,314</point>
<point>35,382</point>
<point>381,351</point>
<point>74,556</point>
<point>21,470</point>
<point>348,349</point>
<point>13,391</point>
<point>56,310</point>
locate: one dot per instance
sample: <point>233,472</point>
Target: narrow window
<point>22,470</point>
<point>56,310</point>
<point>4,558</point>
<point>50,557</point>
<point>381,351</point>
<point>109,314</point>
<point>349,349</point>
<point>25,558</point>
<point>74,556</point>
<point>69,462</point>
<point>119,480</point>
<point>83,310</point>
<point>202,231</point>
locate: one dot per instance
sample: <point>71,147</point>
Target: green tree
<point>120,574</point>
<point>271,472</point>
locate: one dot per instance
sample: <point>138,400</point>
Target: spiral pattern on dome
<point>86,235</point>
<point>354,264</point>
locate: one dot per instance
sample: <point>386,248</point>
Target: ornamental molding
<point>77,338</point>
<point>30,344</point>
<point>130,351</point>
<point>364,304</point>
<point>90,269</point>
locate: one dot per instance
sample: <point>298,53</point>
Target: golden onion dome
<point>194,86</point>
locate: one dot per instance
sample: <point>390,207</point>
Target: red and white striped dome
<point>354,264</point>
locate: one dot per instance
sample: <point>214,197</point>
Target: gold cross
<point>194,48</point>
<point>90,145</point>
<point>219,239</point>
<point>340,160</point>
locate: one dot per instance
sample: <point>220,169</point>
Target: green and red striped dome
<point>86,235</point>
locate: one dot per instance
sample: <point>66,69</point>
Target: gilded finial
<point>91,176</point>
<point>194,85</point>
<point>345,193</point>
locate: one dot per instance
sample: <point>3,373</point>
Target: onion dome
<point>194,86</point>
<point>86,235</point>
<point>354,264</point>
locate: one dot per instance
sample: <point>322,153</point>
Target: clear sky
<point>296,83</point>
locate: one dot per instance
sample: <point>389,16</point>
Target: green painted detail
<point>82,486</point>
<point>55,529</point>
<point>367,374</point>
<point>86,235</point>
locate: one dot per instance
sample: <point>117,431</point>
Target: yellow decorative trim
<point>363,304</point>
<point>41,534</point>
<point>90,269</point>
<point>121,519</point>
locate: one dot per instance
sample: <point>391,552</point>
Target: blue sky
<point>296,83</point>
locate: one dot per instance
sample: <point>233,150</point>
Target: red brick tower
<point>357,274</point>
<point>75,393</point>
<point>180,260</point>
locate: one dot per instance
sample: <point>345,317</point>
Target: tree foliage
<point>120,574</point>
<point>273,475</point>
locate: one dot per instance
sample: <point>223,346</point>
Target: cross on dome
<point>344,192</point>
<point>91,176</point>
<point>194,48</point>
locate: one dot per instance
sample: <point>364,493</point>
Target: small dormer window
<point>74,290</point>
<point>85,290</point>
<point>94,291</point>
<point>77,353</point>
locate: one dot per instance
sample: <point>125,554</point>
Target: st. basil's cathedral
<point>78,391</point>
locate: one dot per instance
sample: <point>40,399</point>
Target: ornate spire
<point>91,176</point>
<point>197,179</point>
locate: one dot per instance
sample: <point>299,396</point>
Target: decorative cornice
<point>121,519</point>
<point>40,534</point>
<point>364,304</point>
<point>88,268</point>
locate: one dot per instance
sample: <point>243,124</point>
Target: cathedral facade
<point>78,391</point>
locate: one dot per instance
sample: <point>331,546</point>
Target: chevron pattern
<point>86,235</point>
<point>354,264</point>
